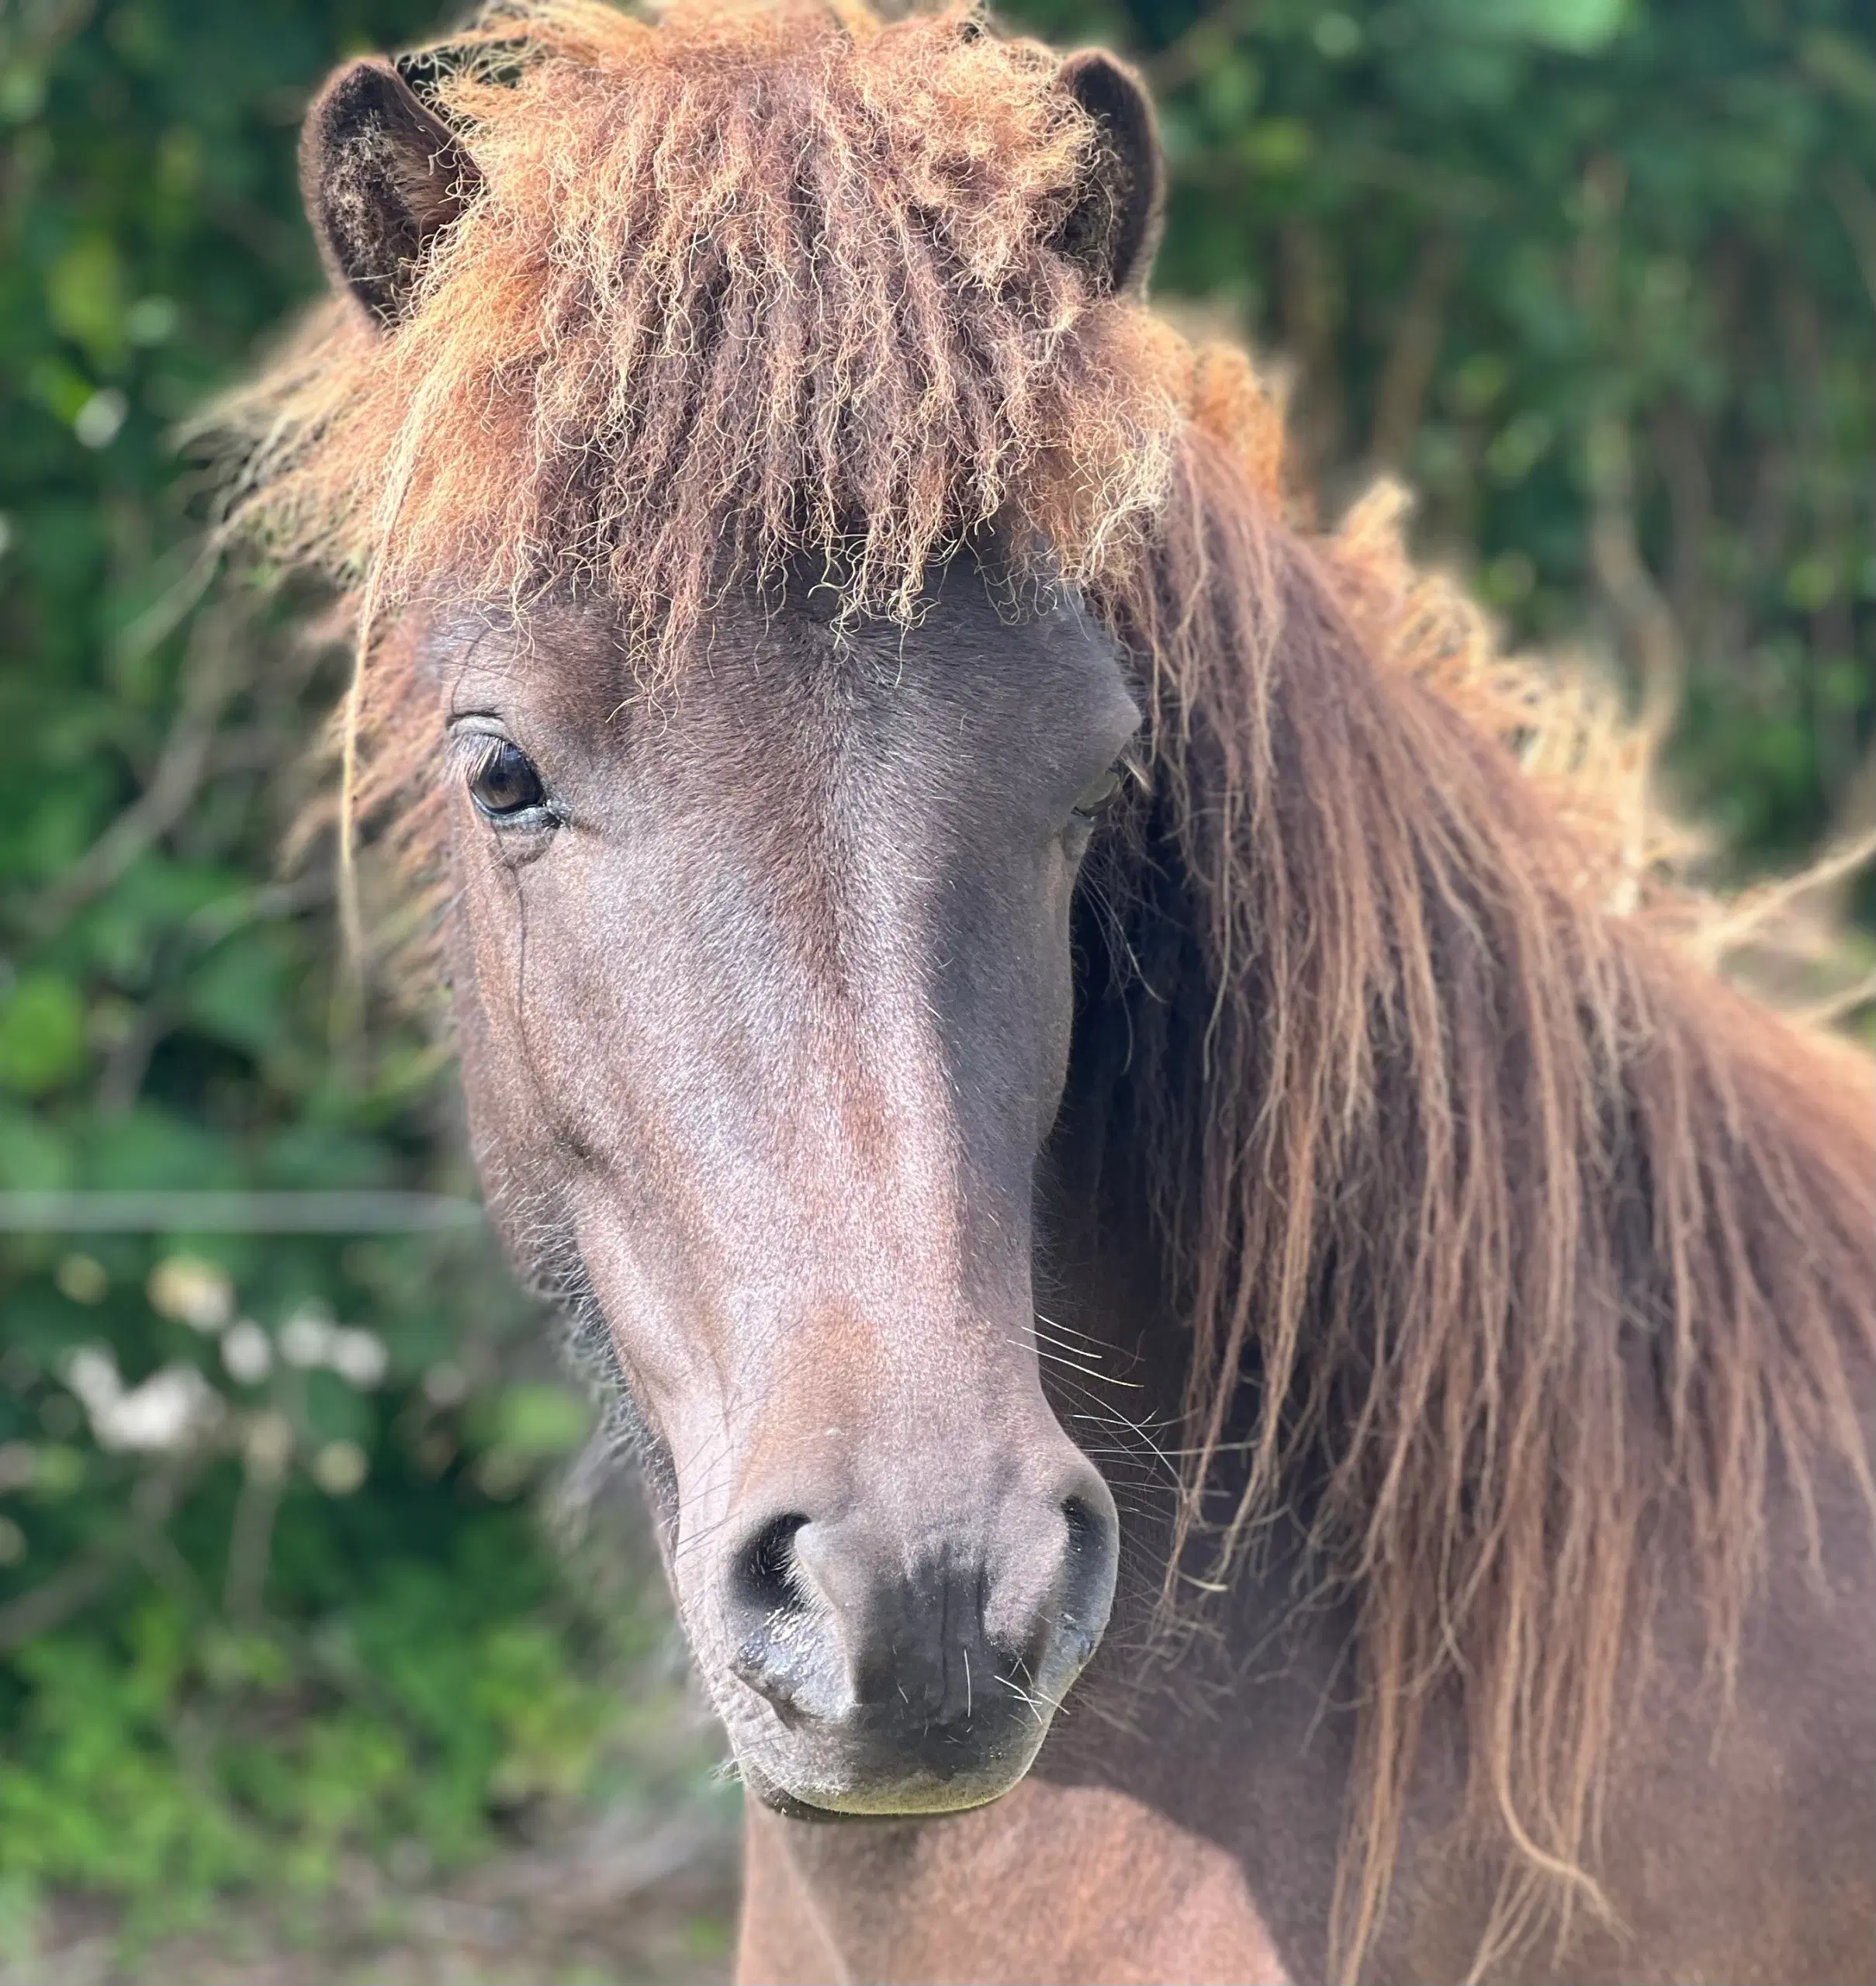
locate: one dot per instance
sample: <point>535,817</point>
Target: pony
<point>1245,1367</point>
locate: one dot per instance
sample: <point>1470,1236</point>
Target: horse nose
<point>854,1625</point>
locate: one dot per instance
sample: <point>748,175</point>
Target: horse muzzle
<point>884,1671</point>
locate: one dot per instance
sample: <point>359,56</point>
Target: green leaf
<point>84,292</point>
<point>540,1420</point>
<point>42,1035</point>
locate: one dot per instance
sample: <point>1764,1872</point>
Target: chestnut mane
<point>1520,1233</point>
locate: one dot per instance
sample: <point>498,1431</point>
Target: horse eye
<point>1099,793</point>
<point>504,782</point>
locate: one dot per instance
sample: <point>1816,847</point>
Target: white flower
<point>82,1278</point>
<point>339,1468</point>
<point>96,422</point>
<point>358,1356</point>
<point>445,1385</point>
<point>193,1292</point>
<point>168,1411</point>
<point>306,1338</point>
<point>91,1373</point>
<point>247,1353</point>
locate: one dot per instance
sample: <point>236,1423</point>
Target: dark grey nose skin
<point>929,1666</point>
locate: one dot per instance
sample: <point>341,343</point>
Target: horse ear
<point>381,176</point>
<point>1113,228</point>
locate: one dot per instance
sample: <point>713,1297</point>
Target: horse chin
<point>882,1795</point>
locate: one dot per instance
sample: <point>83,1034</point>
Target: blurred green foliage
<point>1595,275</point>
<point>297,1609</point>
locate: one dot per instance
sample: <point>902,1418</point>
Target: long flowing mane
<point>1520,1234</point>
<point>1530,1240</point>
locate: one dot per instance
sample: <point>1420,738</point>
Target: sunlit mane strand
<point>748,285</point>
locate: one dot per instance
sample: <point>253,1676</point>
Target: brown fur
<point>752,283</point>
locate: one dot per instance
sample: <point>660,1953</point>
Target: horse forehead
<point>975,675</point>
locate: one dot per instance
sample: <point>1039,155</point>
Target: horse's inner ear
<point>1113,228</point>
<point>381,175</point>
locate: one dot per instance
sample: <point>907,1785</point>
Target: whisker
<point>1062,1361</point>
<point>1037,1710</point>
<point>1068,1330</point>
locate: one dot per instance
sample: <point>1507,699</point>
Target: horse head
<point>763,986</point>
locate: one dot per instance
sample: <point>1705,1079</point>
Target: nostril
<point>762,1576</point>
<point>766,1602</point>
<point>1088,1579</point>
